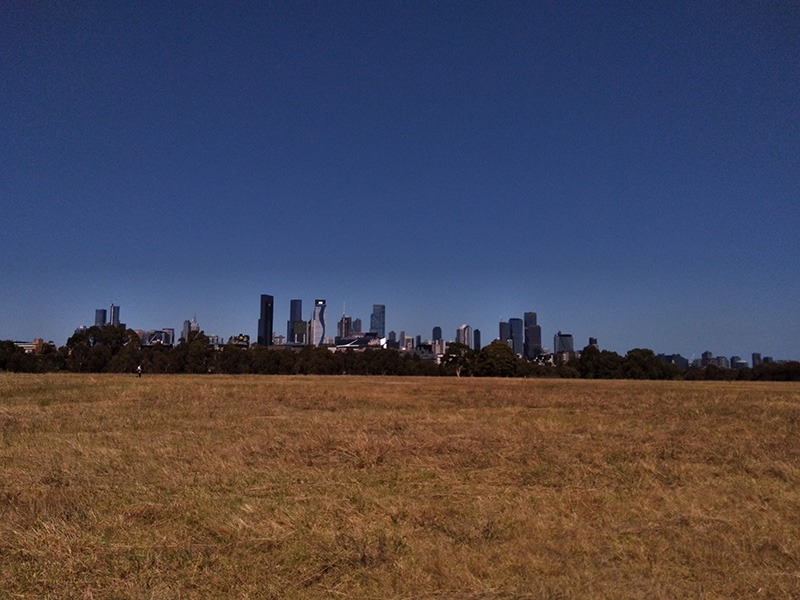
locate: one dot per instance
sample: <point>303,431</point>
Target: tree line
<point>113,349</point>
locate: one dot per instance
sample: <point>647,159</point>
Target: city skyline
<point>628,171</point>
<point>522,335</point>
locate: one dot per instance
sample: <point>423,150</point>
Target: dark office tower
<point>476,339</point>
<point>505,332</point>
<point>533,336</point>
<point>437,333</point>
<point>345,326</point>
<point>377,320</point>
<point>562,342</point>
<point>756,359</point>
<point>392,336</point>
<point>418,341</point>
<point>593,342</point>
<point>265,320</point>
<point>517,335</point>
<point>100,317</point>
<point>357,326</point>
<point>295,314</point>
<point>114,320</point>
<point>318,323</point>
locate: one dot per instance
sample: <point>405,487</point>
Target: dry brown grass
<point>307,487</point>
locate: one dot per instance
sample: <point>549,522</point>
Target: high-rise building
<point>188,327</point>
<point>357,327</point>
<point>562,342</point>
<point>464,335</point>
<point>295,315</point>
<point>476,339</point>
<point>300,332</point>
<point>517,335</point>
<point>505,332</point>
<point>437,333</point>
<point>345,326</point>
<point>756,358</point>
<point>265,320</point>
<point>100,317</point>
<point>593,342</point>
<point>377,320</point>
<point>114,315</point>
<point>317,335</point>
<point>533,337</point>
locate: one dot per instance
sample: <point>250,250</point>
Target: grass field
<point>344,487</point>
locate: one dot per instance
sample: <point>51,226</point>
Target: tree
<point>127,358</point>
<point>496,360</point>
<point>193,355</point>
<point>589,362</point>
<point>642,363</point>
<point>458,359</point>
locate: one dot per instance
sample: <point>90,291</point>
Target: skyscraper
<point>345,327</point>
<point>295,315</point>
<point>100,317</point>
<point>377,320</point>
<point>189,327</point>
<point>476,339</point>
<point>562,342</point>
<point>437,333</point>
<point>517,336</point>
<point>505,332</point>
<point>533,336</point>
<point>114,315</point>
<point>464,335</point>
<point>265,320</point>
<point>318,322</point>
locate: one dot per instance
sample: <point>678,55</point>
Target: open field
<point>345,487</point>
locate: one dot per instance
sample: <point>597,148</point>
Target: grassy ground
<point>307,487</point>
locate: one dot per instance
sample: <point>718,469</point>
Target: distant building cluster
<point>523,336</point>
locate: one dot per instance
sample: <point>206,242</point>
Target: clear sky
<point>628,170</point>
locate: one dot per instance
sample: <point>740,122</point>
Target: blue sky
<point>630,171</point>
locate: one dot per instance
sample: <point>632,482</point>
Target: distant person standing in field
<point>139,371</point>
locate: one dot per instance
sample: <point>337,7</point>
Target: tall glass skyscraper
<point>295,315</point>
<point>100,317</point>
<point>533,336</point>
<point>505,332</point>
<point>377,320</point>
<point>114,316</point>
<point>517,339</point>
<point>562,342</point>
<point>318,322</point>
<point>265,320</point>
<point>437,333</point>
<point>464,335</point>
